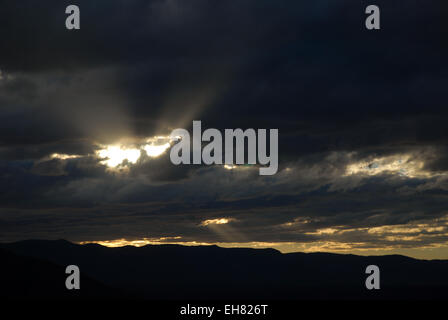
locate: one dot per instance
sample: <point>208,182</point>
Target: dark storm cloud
<point>339,95</point>
<point>310,69</point>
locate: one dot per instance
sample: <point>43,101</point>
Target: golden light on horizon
<point>116,243</point>
<point>360,248</point>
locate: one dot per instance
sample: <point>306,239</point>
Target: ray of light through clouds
<point>337,241</point>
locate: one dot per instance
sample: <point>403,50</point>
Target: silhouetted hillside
<point>211,272</point>
<point>31,278</point>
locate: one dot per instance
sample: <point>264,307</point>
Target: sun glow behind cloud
<point>154,150</point>
<point>122,154</point>
<point>115,155</point>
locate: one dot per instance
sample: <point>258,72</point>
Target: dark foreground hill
<point>32,278</point>
<point>211,272</point>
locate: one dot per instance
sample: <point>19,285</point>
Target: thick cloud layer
<point>361,117</point>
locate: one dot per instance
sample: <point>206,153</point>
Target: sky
<point>363,154</point>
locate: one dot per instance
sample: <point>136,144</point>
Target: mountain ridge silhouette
<point>212,272</point>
